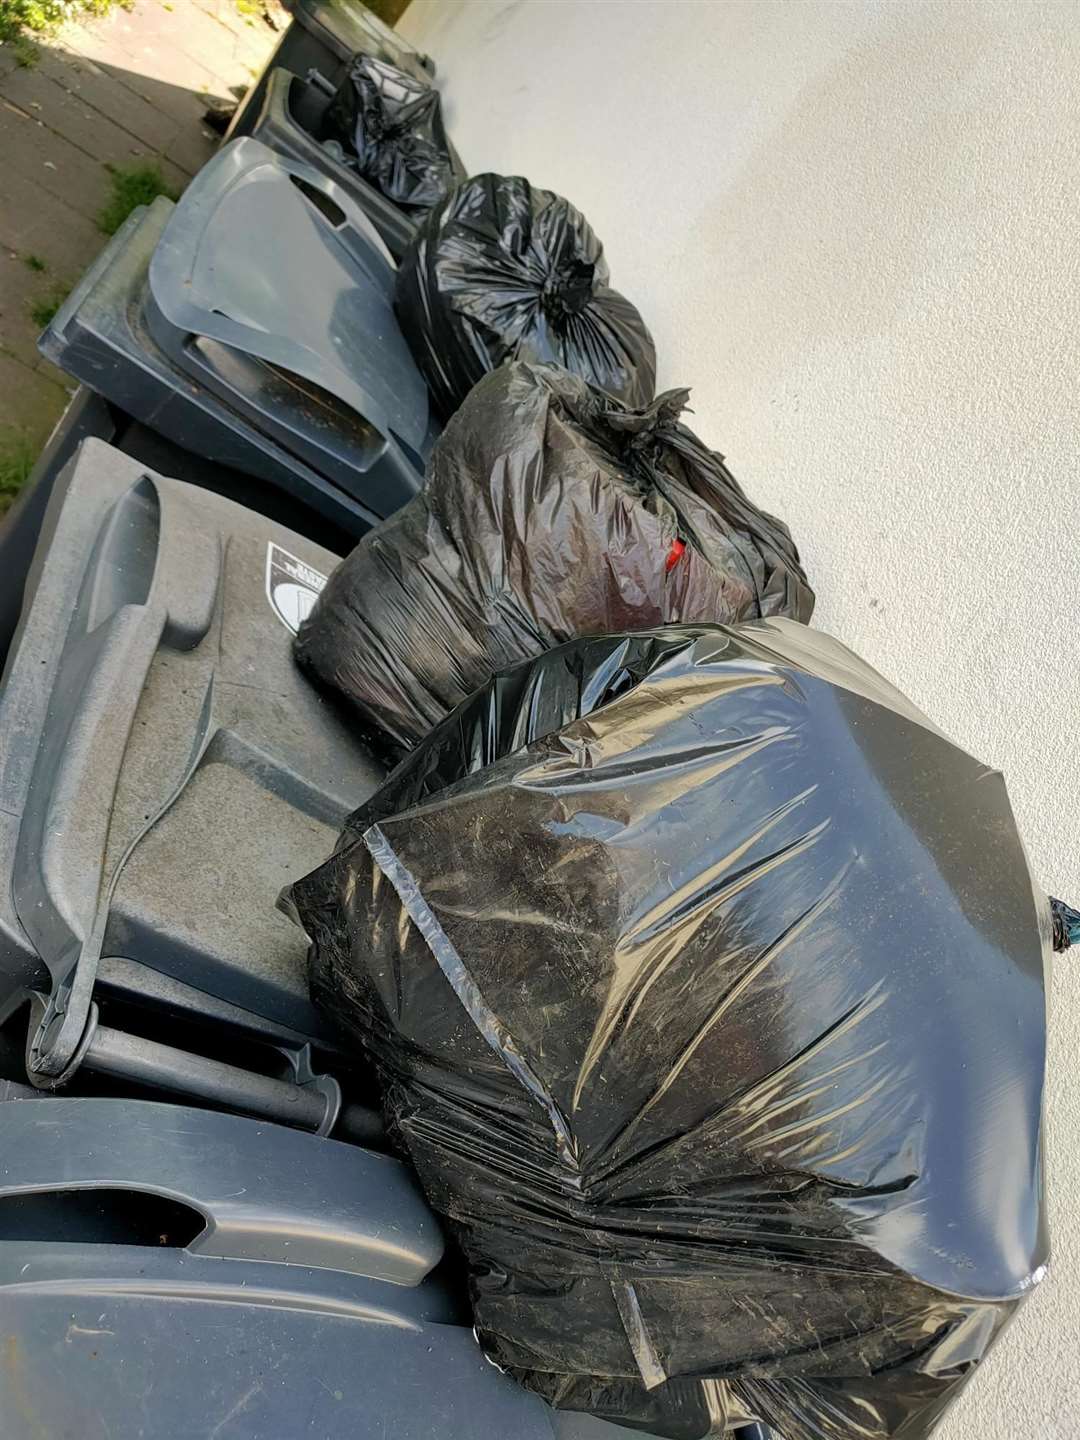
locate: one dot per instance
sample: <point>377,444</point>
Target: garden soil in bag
<point>504,271</point>
<point>550,511</point>
<point>705,983</point>
<point>390,127</point>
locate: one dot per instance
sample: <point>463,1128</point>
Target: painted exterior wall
<point>855,231</point>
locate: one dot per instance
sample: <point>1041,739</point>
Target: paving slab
<point>253,37</point>
<point>160,71</point>
<point>30,403</point>
<point>20,289</point>
<point>52,372</point>
<point>103,90</point>
<point>123,90</point>
<point>199,46</point>
<point>68,114</point>
<point>59,168</point>
<point>34,221</point>
<point>189,150</point>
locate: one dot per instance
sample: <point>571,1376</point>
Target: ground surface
<point>126,90</point>
<point>852,228</point>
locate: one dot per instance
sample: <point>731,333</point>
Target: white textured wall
<point>854,229</point>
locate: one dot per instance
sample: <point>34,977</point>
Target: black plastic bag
<point>550,511</point>
<point>503,271</point>
<point>705,982</point>
<point>391,129</point>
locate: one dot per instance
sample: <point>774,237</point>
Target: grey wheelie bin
<point>252,323</point>
<point>290,122</point>
<point>88,415</point>
<point>324,36</point>
<point>165,769</point>
<point>197,1210</point>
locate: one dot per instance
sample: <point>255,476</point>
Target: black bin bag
<point>705,982</point>
<point>549,511</point>
<point>502,270</point>
<point>390,128</point>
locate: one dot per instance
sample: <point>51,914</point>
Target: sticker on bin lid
<point>291,586</point>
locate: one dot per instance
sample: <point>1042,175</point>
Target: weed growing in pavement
<point>17,456</point>
<point>43,310</point>
<point>131,186</point>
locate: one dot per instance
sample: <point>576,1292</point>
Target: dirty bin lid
<point>271,280</point>
<point>165,767</point>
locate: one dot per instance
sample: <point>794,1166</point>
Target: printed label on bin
<point>291,586</point>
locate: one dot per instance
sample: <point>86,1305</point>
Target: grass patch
<point>41,16</point>
<point>17,457</point>
<point>26,52</point>
<point>35,263</point>
<point>131,186</point>
<point>43,310</point>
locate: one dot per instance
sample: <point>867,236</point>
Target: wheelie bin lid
<point>165,767</point>
<point>273,261</point>
<point>282,126</point>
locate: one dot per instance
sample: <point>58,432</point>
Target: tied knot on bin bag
<point>550,510</point>
<point>639,437</point>
<point>568,289</point>
<point>502,270</point>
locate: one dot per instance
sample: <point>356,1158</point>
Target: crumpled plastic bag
<point>504,271</point>
<point>704,979</point>
<point>391,130</point>
<point>549,511</point>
